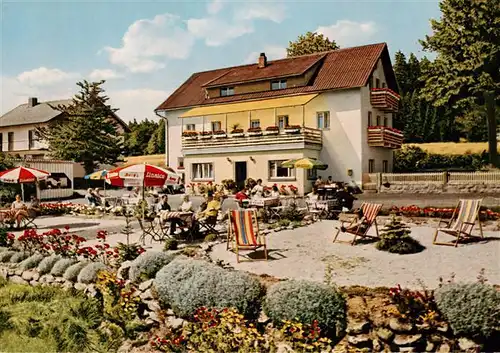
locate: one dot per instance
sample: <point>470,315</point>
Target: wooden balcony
<point>381,136</point>
<point>253,141</point>
<point>384,99</point>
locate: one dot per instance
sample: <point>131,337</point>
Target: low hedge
<point>306,302</point>
<point>187,284</point>
<point>147,264</point>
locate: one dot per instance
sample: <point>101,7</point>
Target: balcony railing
<point>384,99</point>
<point>381,136</point>
<point>300,137</point>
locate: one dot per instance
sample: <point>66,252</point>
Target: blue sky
<point>145,50</point>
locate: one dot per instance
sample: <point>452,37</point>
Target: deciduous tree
<point>310,43</point>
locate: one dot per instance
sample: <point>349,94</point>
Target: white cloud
<point>147,44</point>
<point>137,103</point>
<point>272,11</point>
<point>348,33</point>
<point>273,52</point>
<point>43,76</point>
<point>104,74</point>
<point>217,32</point>
<point>214,6</point>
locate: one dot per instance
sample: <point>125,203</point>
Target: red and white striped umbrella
<point>23,175</point>
<point>141,175</point>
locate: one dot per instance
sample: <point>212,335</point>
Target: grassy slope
<point>454,148</point>
<point>155,159</point>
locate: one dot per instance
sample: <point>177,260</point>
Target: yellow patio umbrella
<point>99,175</point>
<point>305,163</point>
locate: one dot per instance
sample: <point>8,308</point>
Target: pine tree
<point>395,238</point>
<point>87,133</point>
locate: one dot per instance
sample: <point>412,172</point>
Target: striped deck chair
<point>461,223</point>
<point>244,233</point>
<point>360,228</point>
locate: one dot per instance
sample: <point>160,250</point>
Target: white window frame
<point>254,123</point>
<point>273,167</point>
<point>278,84</point>
<point>323,120</point>
<point>227,91</point>
<point>216,126</point>
<point>283,121</point>
<point>190,127</point>
<point>202,171</point>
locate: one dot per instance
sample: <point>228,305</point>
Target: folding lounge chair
<point>370,213</point>
<point>461,223</point>
<point>29,221</point>
<point>244,232</point>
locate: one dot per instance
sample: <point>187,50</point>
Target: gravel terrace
<point>304,253</point>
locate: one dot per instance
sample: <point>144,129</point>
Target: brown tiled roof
<point>339,69</point>
<point>274,69</point>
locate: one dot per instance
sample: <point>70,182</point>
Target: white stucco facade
<point>20,140</point>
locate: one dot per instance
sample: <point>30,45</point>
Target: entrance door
<point>240,173</point>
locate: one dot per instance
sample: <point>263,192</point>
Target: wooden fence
<point>375,180</point>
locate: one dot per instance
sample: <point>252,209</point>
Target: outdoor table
<point>267,204</point>
<point>112,201</point>
<point>328,206</point>
<point>187,218</point>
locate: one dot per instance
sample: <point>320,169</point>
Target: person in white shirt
<point>313,196</point>
<point>258,190</point>
<point>275,192</point>
<point>187,205</point>
<point>19,207</point>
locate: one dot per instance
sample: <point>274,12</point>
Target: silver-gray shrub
<point>19,256</point>
<point>61,266</point>
<point>30,262</point>
<point>89,273</point>
<point>47,263</point>
<point>72,272</point>
<point>472,309</point>
<point>187,285</point>
<point>147,264</point>
<point>307,301</point>
<point>6,255</point>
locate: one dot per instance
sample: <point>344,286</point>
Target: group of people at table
<point>19,210</point>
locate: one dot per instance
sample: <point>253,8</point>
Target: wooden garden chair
<point>461,223</point>
<point>360,227</point>
<point>243,232</point>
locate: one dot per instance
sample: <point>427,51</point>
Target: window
<point>276,171</point>
<point>202,171</point>
<point>385,166</point>
<point>370,84</point>
<point>383,84</point>
<point>371,166</point>
<point>323,119</point>
<point>1,142</point>
<point>216,126</point>
<point>255,123</point>
<point>282,121</point>
<point>190,127</point>
<point>180,162</point>
<point>378,120</point>
<point>377,83</point>
<point>31,139</point>
<point>10,141</point>
<point>312,174</point>
<point>280,84</point>
<point>226,91</point>
<point>386,121</point>
<point>370,119</point>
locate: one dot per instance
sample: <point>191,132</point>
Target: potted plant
<point>254,131</point>
<point>272,130</point>
<point>237,132</point>
<point>220,134</point>
<point>292,129</point>
<point>205,135</point>
<point>190,135</point>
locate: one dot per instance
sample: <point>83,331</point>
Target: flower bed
<point>415,211</point>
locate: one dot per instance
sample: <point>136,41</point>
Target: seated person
<point>258,189</point>
<point>163,205</point>
<point>274,192</point>
<point>89,196</point>
<point>346,199</point>
<point>360,224</point>
<point>34,204</point>
<point>241,195</point>
<point>319,182</point>
<point>329,180</point>
<point>212,209</point>
<point>19,210</point>
<point>313,196</point>
<point>186,205</point>
<point>97,197</point>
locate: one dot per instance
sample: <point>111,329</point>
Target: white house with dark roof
<point>17,127</point>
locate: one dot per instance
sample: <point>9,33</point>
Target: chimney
<point>262,60</point>
<point>32,101</point>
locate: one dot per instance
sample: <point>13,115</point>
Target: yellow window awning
<point>249,106</point>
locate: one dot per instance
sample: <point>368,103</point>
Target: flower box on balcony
<point>205,135</point>
<point>254,131</point>
<point>272,130</point>
<point>220,134</point>
<point>237,133</point>
<point>292,129</point>
<point>190,135</point>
